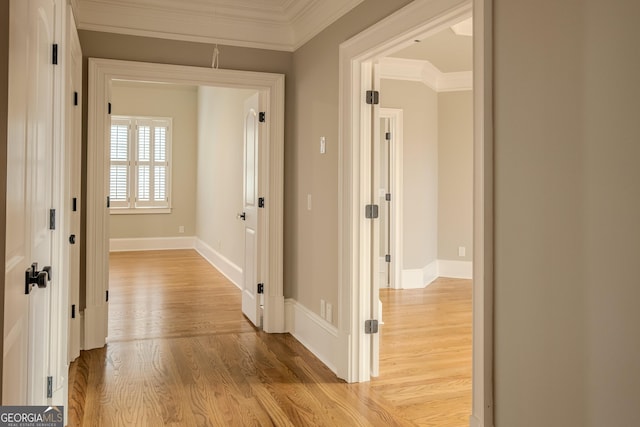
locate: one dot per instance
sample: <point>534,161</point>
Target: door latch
<point>242,216</point>
<point>34,277</point>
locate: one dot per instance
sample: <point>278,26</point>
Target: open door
<point>251,294</point>
<point>73,146</point>
<point>28,275</point>
<point>376,235</point>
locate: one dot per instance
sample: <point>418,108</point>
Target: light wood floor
<point>180,353</point>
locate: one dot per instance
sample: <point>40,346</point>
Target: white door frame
<point>395,175</point>
<point>271,88</point>
<point>356,55</point>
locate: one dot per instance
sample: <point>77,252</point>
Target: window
<point>140,177</point>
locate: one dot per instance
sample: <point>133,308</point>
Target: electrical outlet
<point>462,251</point>
<point>181,229</point>
<point>329,313</point>
<point>308,202</point>
<point>323,145</point>
<point>322,308</point>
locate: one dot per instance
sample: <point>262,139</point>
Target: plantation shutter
<point>119,173</point>
<point>140,176</point>
<point>153,163</point>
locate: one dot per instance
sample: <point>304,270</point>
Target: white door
<point>384,200</point>
<point>251,299</point>
<point>72,179</point>
<point>376,184</point>
<point>29,186</point>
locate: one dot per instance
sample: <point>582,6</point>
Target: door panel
<point>376,183</point>
<point>72,178</point>
<point>251,300</point>
<point>29,172</point>
<point>385,205</point>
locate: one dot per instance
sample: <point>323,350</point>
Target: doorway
<point>356,282</point>
<point>271,89</point>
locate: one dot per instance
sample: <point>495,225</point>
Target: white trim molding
<point>455,269</point>
<point>422,277</point>
<point>423,71</point>
<point>223,264</point>
<point>151,244</point>
<point>316,334</point>
<point>266,25</point>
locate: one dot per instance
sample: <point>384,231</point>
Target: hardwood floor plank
<point>180,353</point>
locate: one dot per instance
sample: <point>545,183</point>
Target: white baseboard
<point>419,278</point>
<point>151,243</point>
<point>220,262</point>
<point>412,279</point>
<point>475,421</point>
<point>430,273</point>
<point>316,334</point>
<point>455,269</point>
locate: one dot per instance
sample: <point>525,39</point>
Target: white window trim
<point>132,206</point>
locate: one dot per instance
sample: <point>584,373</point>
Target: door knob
<point>242,216</point>
<point>33,277</point>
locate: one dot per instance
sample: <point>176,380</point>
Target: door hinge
<point>109,108</point>
<point>107,295</point>
<point>387,258</point>
<point>371,211</point>
<point>387,136</point>
<point>49,387</point>
<point>370,326</point>
<point>262,117</point>
<point>261,202</point>
<point>108,201</point>
<point>373,97</point>
<point>54,54</point>
<point>261,288</point>
<point>75,98</point>
<point>52,219</point>
<point>387,197</point>
<point>74,204</point>
<point>73,311</point>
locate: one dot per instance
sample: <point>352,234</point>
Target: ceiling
<point>267,24</point>
<point>447,51</point>
<point>443,61</point>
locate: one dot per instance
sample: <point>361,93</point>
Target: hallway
<point>181,353</point>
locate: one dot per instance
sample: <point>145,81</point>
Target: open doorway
<point>359,127</point>
<point>102,74</point>
<point>177,176</point>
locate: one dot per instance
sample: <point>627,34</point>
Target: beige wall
<point>311,237</point>
<point>419,104</point>
<point>220,170</point>
<point>179,103</point>
<point>455,175</point>
<point>567,213</point>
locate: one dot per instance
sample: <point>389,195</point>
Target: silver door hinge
<point>371,211</point>
<point>387,258</point>
<point>371,326</point>
<point>52,219</point>
<point>373,97</point>
<point>49,387</point>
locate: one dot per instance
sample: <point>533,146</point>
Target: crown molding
<point>425,72</point>
<point>276,24</point>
